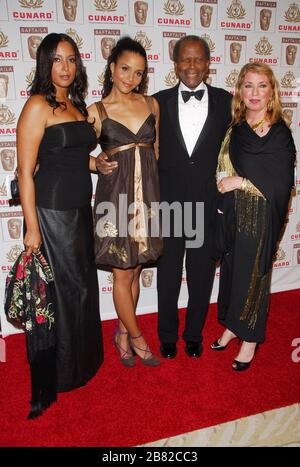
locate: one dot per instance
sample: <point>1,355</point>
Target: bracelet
<point>244,184</point>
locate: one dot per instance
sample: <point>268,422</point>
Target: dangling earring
<point>111,79</point>
<point>137,88</point>
<point>270,106</point>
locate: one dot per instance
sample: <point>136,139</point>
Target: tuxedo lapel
<point>173,111</point>
<point>209,122</point>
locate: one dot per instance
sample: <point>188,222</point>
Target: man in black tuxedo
<point>194,118</point>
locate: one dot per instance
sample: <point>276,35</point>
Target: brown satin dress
<point>127,228</point>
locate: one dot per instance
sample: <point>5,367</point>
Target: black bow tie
<point>186,95</point>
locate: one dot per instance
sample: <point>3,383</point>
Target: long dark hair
<point>42,82</point>
<point>126,44</point>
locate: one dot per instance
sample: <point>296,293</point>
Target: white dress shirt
<point>192,115</point>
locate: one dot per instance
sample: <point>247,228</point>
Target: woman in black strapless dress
<point>53,132</point>
<point>128,236</point>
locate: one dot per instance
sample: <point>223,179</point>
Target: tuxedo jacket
<point>184,177</point>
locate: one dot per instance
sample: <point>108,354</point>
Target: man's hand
<point>103,166</point>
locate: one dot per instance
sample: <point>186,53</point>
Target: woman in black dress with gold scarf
<point>255,176</point>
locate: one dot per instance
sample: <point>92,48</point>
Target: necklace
<point>259,126</point>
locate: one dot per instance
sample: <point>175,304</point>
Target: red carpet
<point>126,407</point>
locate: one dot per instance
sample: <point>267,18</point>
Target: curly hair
<point>42,82</point>
<point>125,44</point>
<point>274,109</point>
<point>190,38</point>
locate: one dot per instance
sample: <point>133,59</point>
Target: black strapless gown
<point>63,195</point>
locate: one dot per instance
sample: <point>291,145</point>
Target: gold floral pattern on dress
<point>120,252</point>
<point>107,229</point>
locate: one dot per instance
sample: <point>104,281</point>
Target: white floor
<point>278,427</point>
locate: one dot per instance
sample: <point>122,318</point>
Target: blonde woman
<point>255,175</point>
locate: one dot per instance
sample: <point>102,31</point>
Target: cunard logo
<point>171,78</point>
<point>110,278</point>
<point>174,7</point>
<point>280,254</point>
<point>100,79</point>
<point>231,79</point>
<point>142,38</point>
<point>210,43</point>
<point>106,5</point>
<point>3,189</point>
<point>289,81</point>
<point>31,3</point>
<point>3,40</point>
<point>7,117</point>
<point>14,253</point>
<point>292,15</point>
<point>263,47</point>
<point>29,78</point>
<point>236,10</point>
<point>76,38</point>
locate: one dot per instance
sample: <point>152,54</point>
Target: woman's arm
<point>30,130</point>
<point>99,163</point>
<point>157,116</point>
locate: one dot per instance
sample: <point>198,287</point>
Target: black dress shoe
<point>168,349</point>
<point>193,349</point>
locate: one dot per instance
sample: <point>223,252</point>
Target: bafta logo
<point>298,227</point>
<point>289,80</point>
<point>6,116</point>
<point>210,43</point>
<point>171,78</point>
<point>31,3</point>
<point>14,227</point>
<point>147,277</point>
<point>206,12</point>
<point>142,38</point>
<point>174,7</point>
<point>100,79</point>
<point>3,40</point>
<point>280,254</point>
<point>7,157</point>
<point>231,79</point>
<point>76,38</point>
<point>30,77</point>
<point>288,116</point>
<point>106,5</point>
<point>236,10</point>
<point>263,47</point>
<point>13,253</point>
<point>4,80</point>
<point>292,15</point>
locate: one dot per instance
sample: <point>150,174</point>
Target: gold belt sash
<point>139,230</point>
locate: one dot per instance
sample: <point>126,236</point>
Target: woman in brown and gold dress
<point>126,216</point>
